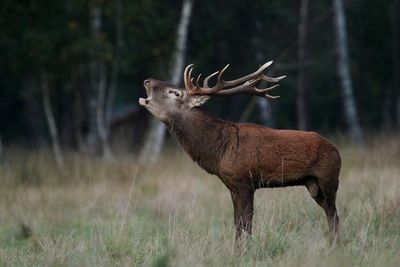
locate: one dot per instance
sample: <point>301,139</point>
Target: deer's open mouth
<point>146,101</point>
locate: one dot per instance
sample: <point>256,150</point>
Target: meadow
<point>99,212</point>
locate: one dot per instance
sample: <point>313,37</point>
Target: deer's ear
<point>197,100</point>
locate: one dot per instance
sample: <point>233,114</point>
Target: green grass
<point>180,216</point>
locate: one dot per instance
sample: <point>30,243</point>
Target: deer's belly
<point>268,174</point>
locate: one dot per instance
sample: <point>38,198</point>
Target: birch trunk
<point>115,70</point>
<point>92,141</point>
<point>301,100</point>
<point>263,104</point>
<point>97,139</point>
<point>101,123</point>
<point>78,118</point>
<point>265,108</point>
<point>156,135</point>
<point>343,70</point>
<point>55,141</point>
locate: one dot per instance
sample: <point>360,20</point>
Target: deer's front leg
<point>242,199</point>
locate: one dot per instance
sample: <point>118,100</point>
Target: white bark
<point>101,124</point>
<point>343,70</point>
<point>181,42</point>
<point>265,108</point>
<point>98,131</point>
<point>156,135</point>
<point>58,156</point>
<point>92,140</point>
<point>154,142</point>
<point>115,70</point>
<point>264,104</point>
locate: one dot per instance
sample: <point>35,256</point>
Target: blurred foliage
<point>55,36</point>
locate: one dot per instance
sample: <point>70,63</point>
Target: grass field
<point>115,213</point>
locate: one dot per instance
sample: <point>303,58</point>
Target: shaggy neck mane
<point>204,138</point>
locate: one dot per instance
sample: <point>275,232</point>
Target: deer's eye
<point>174,92</point>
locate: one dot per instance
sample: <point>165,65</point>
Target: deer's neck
<point>203,137</point>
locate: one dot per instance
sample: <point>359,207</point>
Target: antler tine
<point>273,80</point>
<point>197,81</point>
<point>191,83</point>
<point>220,83</point>
<point>265,89</point>
<point>272,96</point>
<point>205,82</point>
<point>185,76</point>
<point>222,72</point>
<point>190,80</point>
<point>266,65</point>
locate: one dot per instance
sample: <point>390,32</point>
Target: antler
<point>243,85</point>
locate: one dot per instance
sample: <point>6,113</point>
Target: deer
<point>246,156</point>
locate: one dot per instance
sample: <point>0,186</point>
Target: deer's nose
<point>146,82</point>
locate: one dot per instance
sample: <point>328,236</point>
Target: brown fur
<point>249,156</point>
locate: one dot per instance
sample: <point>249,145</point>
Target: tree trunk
<point>97,139</point>
<point>343,70</point>
<point>115,71</point>
<point>301,100</point>
<point>78,105</point>
<point>101,123</point>
<point>264,104</point>
<point>181,42</point>
<point>156,135</point>
<point>55,141</point>
<point>92,141</point>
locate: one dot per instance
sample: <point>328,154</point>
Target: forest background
<point>71,71</point>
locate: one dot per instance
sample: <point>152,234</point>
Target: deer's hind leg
<point>324,193</point>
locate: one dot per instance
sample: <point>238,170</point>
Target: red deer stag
<point>246,156</point>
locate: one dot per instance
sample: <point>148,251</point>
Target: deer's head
<point>164,99</point>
